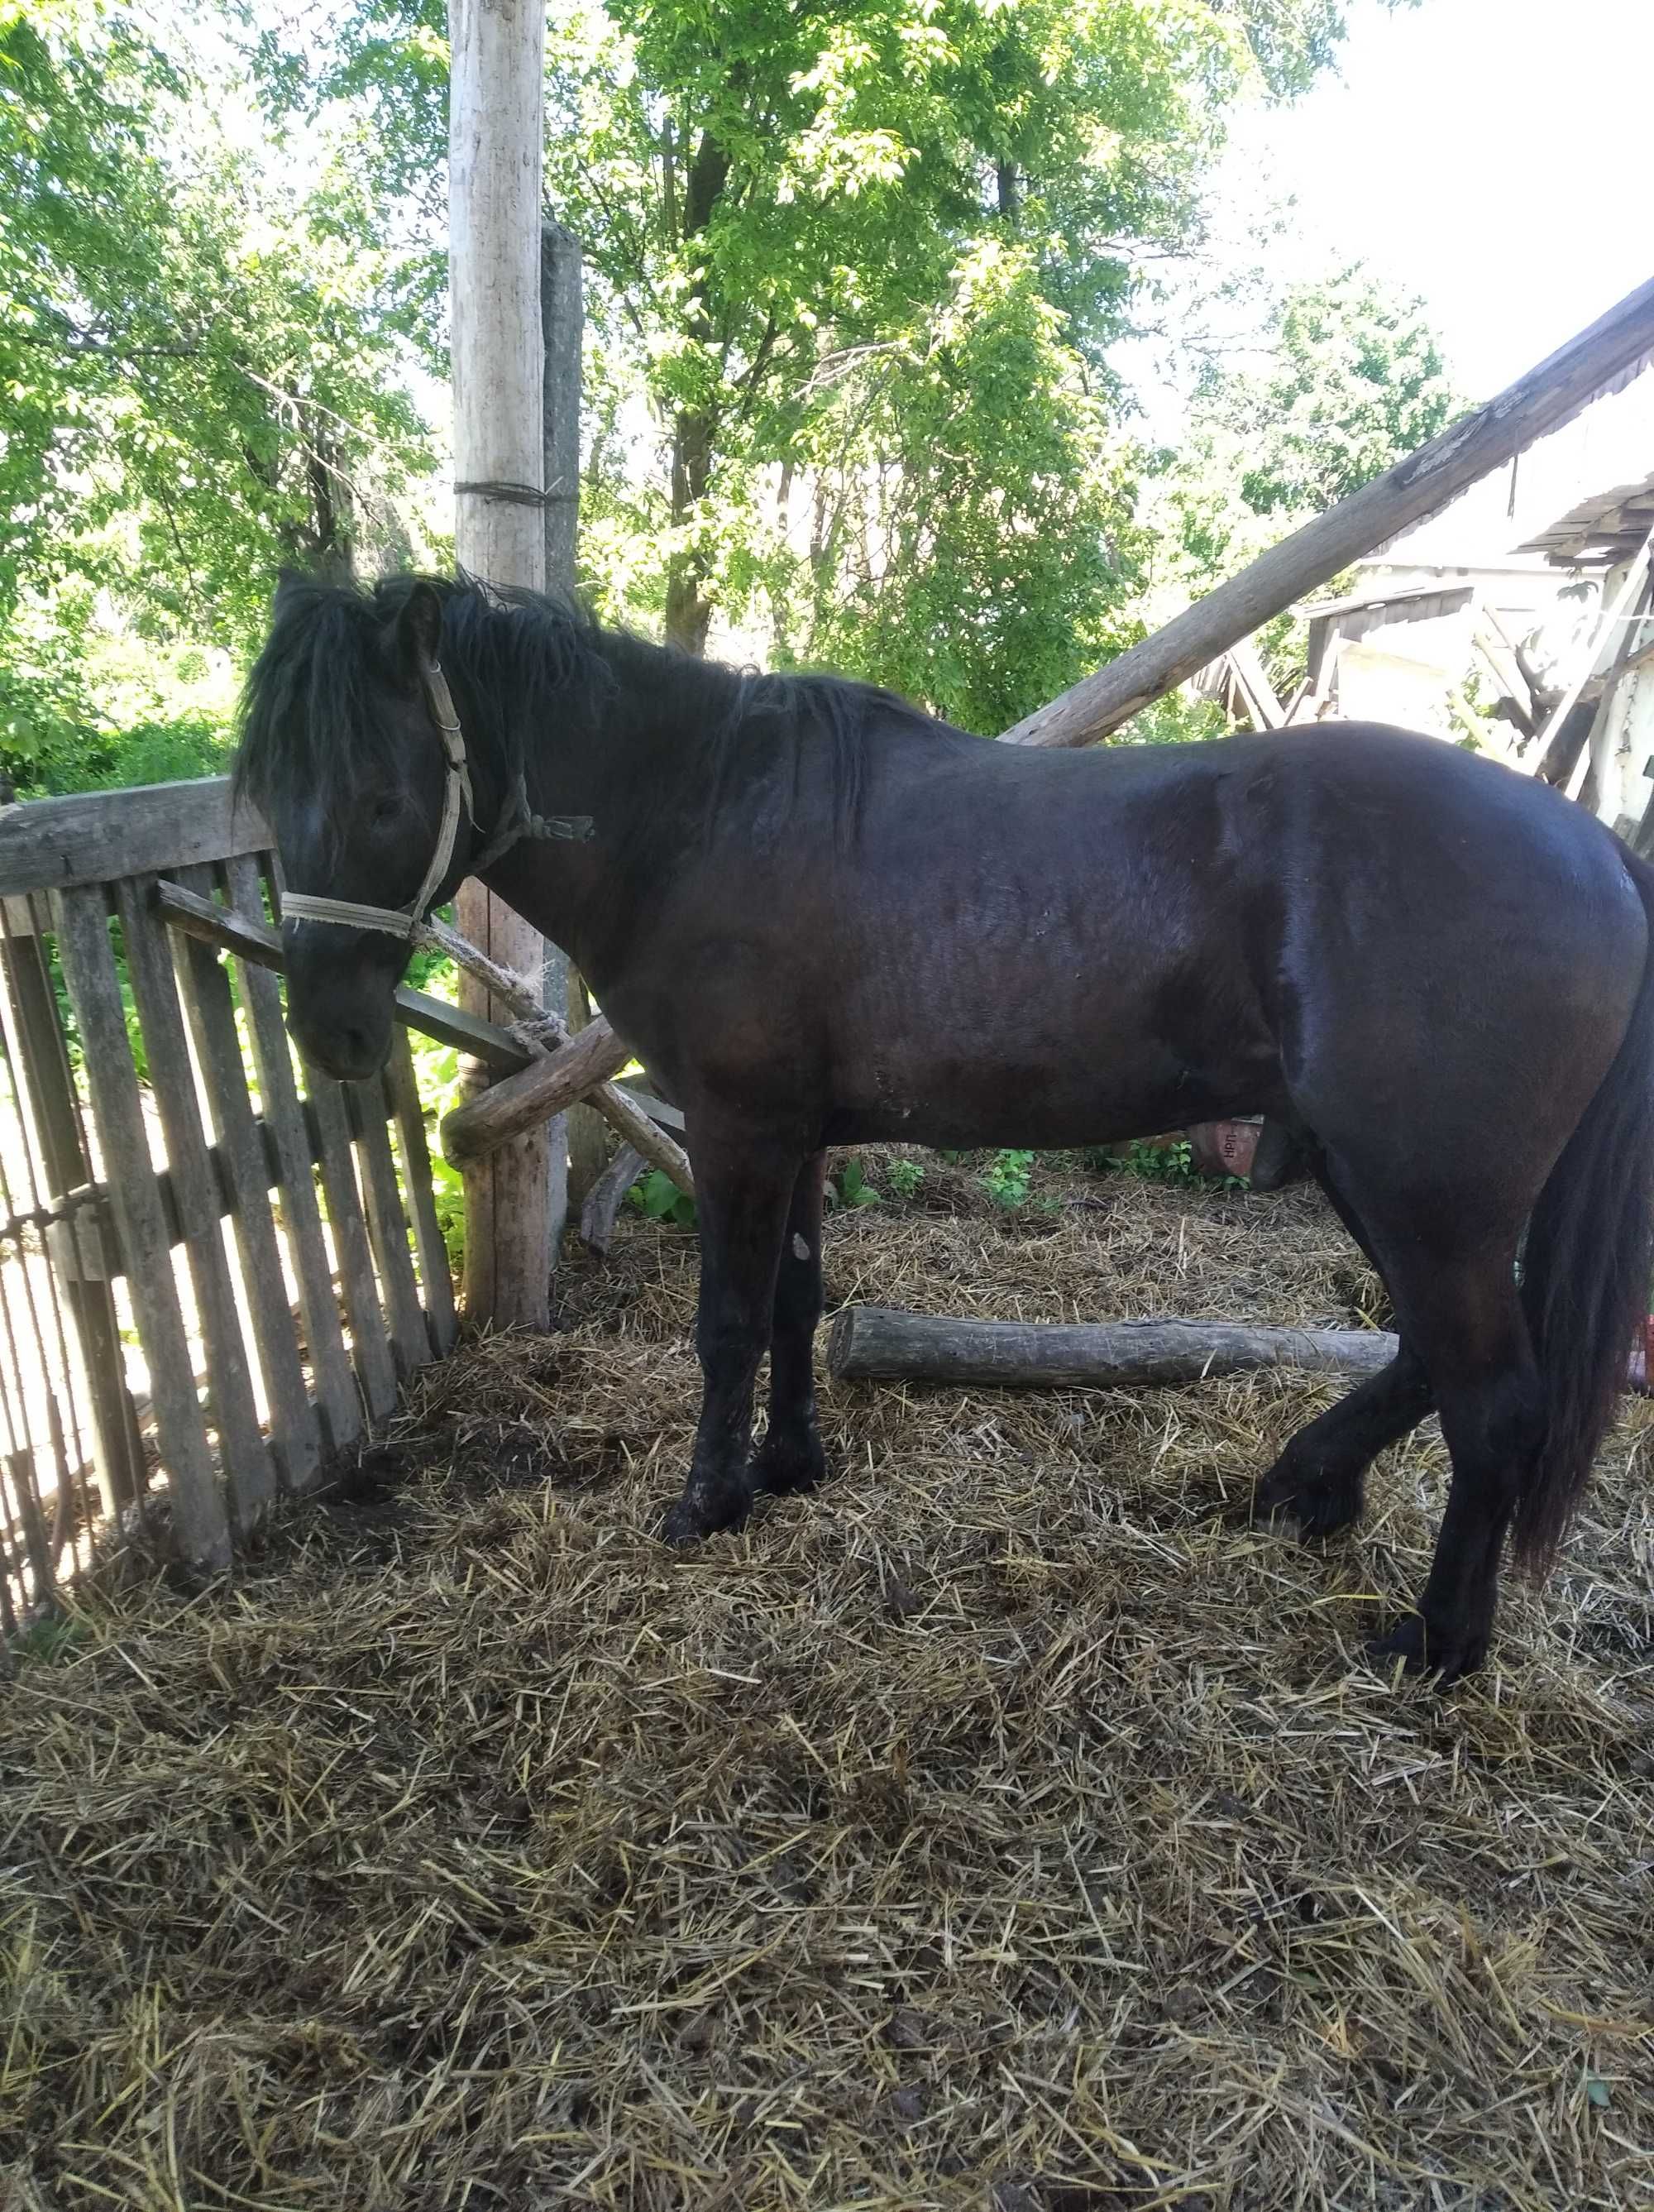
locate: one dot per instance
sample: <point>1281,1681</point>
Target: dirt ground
<point>1009,1825</point>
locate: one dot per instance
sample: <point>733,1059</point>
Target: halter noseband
<point>406,922</point>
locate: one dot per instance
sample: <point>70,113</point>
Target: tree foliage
<point>1356,379</point>
<point>197,382</point>
<point>1350,379</point>
<point>864,263</point>
<point>857,277</point>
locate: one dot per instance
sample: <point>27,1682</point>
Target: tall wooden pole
<point>496,139</point>
<point>579,1133</point>
<point>1542,400</point>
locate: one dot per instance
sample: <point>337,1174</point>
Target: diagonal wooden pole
<point>1542,400</point>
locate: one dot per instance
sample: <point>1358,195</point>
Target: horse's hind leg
<point>790,1457</point>
<point>1319,1477</point>
<point>1449,1262</point>
<point>1467,1317</point>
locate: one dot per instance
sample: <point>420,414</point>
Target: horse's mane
<point>312,722</point>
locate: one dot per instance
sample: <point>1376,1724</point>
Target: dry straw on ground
<point>1010,1824</point>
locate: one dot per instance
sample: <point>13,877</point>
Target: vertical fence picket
<point>295,1434</point>
<point>337,1394</point>
<point>247,1464</point>
<point>387,1226</point>
<point>199,1520</point>
<point>41,1075</point>
<point>434,1271</point>
<point>375,1369</point>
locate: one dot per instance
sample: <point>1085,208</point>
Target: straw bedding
<point>1009,1825</point>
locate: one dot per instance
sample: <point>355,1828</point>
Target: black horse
<point>820,916</point>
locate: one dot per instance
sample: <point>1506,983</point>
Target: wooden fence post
<point>494,161</point>
<point>571,1136</point>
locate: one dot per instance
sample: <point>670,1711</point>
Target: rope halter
<point>407,922</point>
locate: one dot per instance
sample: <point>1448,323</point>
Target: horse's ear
<point>288,582</point>
<point>419,629</point>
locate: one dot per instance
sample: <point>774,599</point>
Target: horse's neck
<point>635,760</point>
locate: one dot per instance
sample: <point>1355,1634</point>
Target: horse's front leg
<point>743,1188</point>
<point>790,1457</point>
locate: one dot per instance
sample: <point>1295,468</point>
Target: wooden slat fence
<point>216,1268</point>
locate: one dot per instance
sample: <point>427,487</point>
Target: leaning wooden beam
<point>547,1030</point>
<point>872,1344</point>
<point>607,1195</point>
<point>575,1070</point>
<point>1541,401</point>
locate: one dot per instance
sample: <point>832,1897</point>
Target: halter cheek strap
<point>406,922</point>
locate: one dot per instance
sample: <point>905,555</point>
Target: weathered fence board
<point>48,1093</point>
<point>376,1369</point>
<point>295,1431</point>
<point>200,1522</point>
<point>433,1268</point>
<point>387,1228</point>
<point>338,1399</point>
<point>233,1408</point>
<point>98,836</point>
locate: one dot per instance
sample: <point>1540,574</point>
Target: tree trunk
<point>694,429</point>
<point>688,610</point>
<point>494,150</point>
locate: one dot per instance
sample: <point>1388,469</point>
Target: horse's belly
<point>997,1101</point>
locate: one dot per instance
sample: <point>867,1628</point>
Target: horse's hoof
<point>1319,1509</point>
<point>1447,1657</point>
<point>699,1514</point>
<point>782,1470</point>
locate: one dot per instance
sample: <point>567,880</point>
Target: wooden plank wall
<point>283,1266</point>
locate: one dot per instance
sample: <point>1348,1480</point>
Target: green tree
<point>1351,379</point>
<point>199,381</point>
<point>783,209</point>
<point>1356,380</point>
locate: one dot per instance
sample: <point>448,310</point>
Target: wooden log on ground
<point>1541,401</point>
<point>521,1102</point>
<point>883,1344</point>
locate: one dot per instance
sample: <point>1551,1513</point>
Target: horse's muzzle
<point>350,1047</point>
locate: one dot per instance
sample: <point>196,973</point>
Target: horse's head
<point>350,748</point>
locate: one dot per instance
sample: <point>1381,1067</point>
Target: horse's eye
<point>385,812</point>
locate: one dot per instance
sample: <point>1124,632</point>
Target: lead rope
<point>516,821</point>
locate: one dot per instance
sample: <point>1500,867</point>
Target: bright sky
<point>1490,154</point>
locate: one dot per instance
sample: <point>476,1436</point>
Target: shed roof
<point>1602,530</point>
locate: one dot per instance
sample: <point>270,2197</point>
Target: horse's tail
<point>1585,1276</point>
